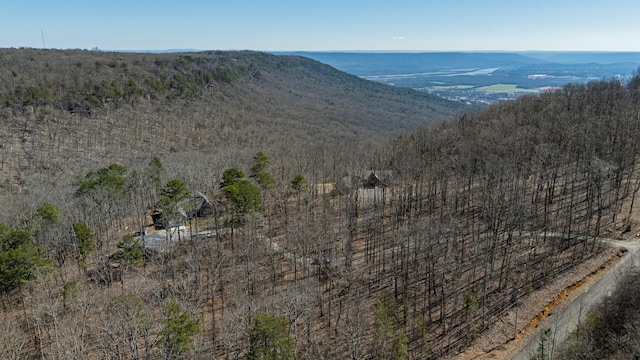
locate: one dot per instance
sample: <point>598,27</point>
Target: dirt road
<point>561,323</point>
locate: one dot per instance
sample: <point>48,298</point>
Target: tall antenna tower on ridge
<point>42,33</point>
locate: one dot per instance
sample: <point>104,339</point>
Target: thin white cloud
<point>398,38</point>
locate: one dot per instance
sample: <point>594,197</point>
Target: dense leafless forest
<point>344,219</point>
<point>64,112</point>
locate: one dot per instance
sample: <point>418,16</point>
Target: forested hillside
<point>68,111</point>
<point>304,234</point>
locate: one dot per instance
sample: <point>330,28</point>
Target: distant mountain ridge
<point>367,64</point>
<point>378,63</point>
<point>585,57</point>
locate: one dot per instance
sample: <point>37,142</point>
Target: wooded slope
<point>62,111</point>
<point>480,212</point>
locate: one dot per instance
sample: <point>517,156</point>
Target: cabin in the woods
<point>378,179</point>
<point>370,179</point>
<point>196,205</point>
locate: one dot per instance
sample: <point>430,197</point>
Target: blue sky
<point>430,25</point>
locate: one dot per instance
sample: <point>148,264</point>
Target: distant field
<point>451,87</point>
<point>505,88</point>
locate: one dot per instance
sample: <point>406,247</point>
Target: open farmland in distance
<point>465,76</point>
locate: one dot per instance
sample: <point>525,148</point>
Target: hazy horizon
<point>404,25</point>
